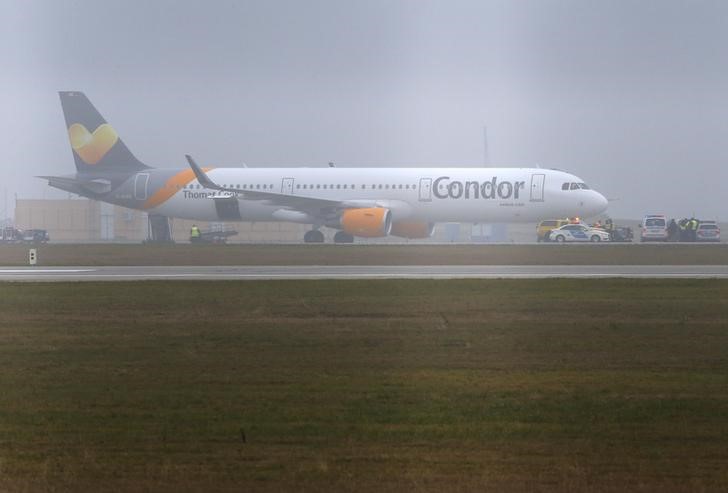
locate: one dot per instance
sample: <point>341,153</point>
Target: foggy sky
<point>630,96</point>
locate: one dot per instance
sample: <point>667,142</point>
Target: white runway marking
<point>31,270</point>
<point>198,273</point>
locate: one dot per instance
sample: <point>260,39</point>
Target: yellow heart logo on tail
<point>92,147</point>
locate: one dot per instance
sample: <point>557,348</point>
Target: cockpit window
<point>575,186</point>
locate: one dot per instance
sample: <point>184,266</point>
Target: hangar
<point>79,220</point>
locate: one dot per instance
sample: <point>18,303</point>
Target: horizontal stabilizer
<point>96,186</point>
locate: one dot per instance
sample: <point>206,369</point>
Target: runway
<point>213,273</point>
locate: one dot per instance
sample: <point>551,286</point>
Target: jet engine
<point>369,223</point>
<point>413,229</point>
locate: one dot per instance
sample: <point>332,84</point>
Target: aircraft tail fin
<point>96,145</point>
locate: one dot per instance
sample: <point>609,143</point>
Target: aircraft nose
<point>600,203</point>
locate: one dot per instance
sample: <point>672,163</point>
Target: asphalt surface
<point>134,273</point>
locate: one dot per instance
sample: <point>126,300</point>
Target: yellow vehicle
<point>544,228</point>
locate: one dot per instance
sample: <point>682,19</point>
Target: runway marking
<point>251,273</point>
<point>30,270</point>
<point>416,276</point>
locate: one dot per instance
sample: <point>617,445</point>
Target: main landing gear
<point>343,237</point>
<point>313,236</point>
<point>316,236</point>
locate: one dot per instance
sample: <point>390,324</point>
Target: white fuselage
<point>412,194</point>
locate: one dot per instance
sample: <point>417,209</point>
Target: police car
<point>654,228</point>
<point>578,232</point>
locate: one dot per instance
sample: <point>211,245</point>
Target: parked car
<point>578,232</point>
<point>707,231</point>
<point>545,227</point>
<point>653,228</point>
<point>10,235</point>
<point>36,236</point>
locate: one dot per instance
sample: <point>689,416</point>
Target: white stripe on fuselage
<point>421,194</point>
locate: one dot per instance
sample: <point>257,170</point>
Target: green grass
<point>564,385</point>
<point>543,254</point>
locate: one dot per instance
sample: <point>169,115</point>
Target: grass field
<point>544,254</point>
<point>561,385</point>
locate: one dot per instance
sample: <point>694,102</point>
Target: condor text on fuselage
<point>473,189</point>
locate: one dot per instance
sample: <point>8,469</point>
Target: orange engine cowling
<point>413,229</point>
<point>370,223</point>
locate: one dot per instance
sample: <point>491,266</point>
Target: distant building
<point>82,220</point>
<point>89,221</point>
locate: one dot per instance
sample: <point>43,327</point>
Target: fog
<point>630,96</point>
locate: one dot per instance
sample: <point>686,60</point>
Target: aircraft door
<point>537,182</point>
<point>141,181</point>
<point>287,186</point>
<point>425,189</point>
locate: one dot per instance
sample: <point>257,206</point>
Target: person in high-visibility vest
<point>693,227</point>
<point>683,225</point>
<point>194,233</point>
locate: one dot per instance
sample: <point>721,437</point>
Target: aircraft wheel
<point>313,236</point>
<point>343,237</point>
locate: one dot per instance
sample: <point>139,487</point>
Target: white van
<point>653,228</point>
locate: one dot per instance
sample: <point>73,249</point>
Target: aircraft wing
<point>310,205</point>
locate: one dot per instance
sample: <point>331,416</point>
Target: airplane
<point>357,202</point>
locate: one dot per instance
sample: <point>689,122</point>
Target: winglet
<point>201,176</point>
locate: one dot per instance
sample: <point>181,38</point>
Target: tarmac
<point>252,273</point>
